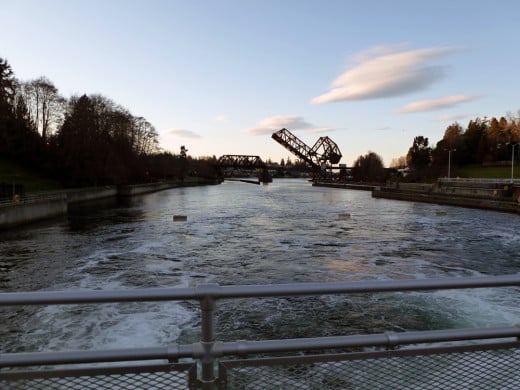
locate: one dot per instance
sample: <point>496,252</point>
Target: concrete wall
<point>86,194</point>
<point>440,198</point>
<point>20,213</point>
<point>420,187</point>
<point>47,206</point>
<point>143,188</point>
<point>474,192</point>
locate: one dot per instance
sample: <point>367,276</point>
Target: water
<point>238,233</point>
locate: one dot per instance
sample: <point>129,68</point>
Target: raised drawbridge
<point>324,152</point>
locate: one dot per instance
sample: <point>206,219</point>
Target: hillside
<point>14,173</point>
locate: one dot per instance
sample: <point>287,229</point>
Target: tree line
<point>485,141</point>
<point>83,140</point>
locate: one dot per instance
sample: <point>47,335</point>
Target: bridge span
<point>245,162</point>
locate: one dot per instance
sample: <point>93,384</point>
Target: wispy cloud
<point>453,118</point>
<point>184,133</point>
<point>222,118</point>
<point>387,71</point>
<point>275,123</point>
<point>320,130</point>
<point>437,104</point>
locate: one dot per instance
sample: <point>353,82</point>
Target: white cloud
<point>222,118</point>
<point>386,71</point>
<point>275,123</point>
<point>184,133</point>
<point>437,104</point>
<point>453,118</point>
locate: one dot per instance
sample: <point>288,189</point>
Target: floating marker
<point>344,216</point>
<point>180,218</point>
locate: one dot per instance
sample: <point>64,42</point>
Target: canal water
<point>236,233</point>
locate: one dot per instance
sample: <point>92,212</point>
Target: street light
<point>512,159</point>
<point>449,160</point>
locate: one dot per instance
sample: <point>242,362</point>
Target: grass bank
<point>478,172</point>
<point>14,173</point>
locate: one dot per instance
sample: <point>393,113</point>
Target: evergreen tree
<point>419,156</point>
<point>474,141</point>
<point>369,168</point>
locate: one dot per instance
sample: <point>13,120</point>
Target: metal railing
<point>437,359</point>
<point>479,180</point>
<point>33,198</point>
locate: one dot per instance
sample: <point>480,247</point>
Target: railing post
<point>207,339</point>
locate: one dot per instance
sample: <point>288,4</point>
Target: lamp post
<point>513,161</point>
<point>449,161</point>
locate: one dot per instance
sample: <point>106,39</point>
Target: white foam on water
<point>147,247</point>
<point>484,307</point>
<point>109,326</point>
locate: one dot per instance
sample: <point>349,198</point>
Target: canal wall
<point>32,210</point>
<point>360,187</point>
<point>88,194</point>
<point>452,199</point>
<point>498,195</point>
<point>36,207</point>
<point>140,189</point>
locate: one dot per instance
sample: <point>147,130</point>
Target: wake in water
<point>238,234</point>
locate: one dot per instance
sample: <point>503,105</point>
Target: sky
<point>221,76</point>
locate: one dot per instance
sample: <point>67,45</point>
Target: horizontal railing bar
<point>74,297</point>
<point>477,180</point>
<point>94,371</point>
<point>196,350</point>
<point>372,340</point>
<point>101,356</point>
<point>371,354</point>
<point>252,291</point>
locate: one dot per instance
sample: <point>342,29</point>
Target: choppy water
<point>238,233</point>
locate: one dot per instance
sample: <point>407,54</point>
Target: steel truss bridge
<point>324,152</point>
<point>246,162</point>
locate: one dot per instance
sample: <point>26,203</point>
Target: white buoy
<point>180,218</point>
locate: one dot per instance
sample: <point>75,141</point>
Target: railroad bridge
<point>324,152</point>
<point>245,162</point>
<point>319,157</point>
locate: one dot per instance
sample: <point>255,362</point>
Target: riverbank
<point>38,206</point>
<point>497,195</point>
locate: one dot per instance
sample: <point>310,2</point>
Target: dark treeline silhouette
<point>486,142</point>
<point>369,168</point>
<point>83,140</point>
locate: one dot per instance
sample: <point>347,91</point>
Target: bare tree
<point>144,137</point>
<point>46,106</point>
<point>399,162</point>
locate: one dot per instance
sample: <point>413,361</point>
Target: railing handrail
<point>215,291</point>
<point>478,180</point>
<point>208,349</point>
<point>34,197</point>
<point>242,348</point>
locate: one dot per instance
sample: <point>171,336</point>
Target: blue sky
<point>221,76</point>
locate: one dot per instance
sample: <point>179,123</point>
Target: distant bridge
<point>245,162</point>
<point>324,152</point>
